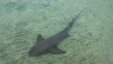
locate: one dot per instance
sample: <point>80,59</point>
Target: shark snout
<point>32,53</point>
<point>36,51</point>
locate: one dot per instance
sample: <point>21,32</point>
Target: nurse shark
<point>50,44</point>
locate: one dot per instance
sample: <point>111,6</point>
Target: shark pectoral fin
<point>56,50</point>
<point>39,38</point>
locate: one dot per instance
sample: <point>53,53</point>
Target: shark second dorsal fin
<point>39,38</point>
<point>56,50</point>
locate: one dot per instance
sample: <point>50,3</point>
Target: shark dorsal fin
<point>56,50</point>
<point>39,38</point>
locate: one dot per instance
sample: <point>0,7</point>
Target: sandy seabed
<point>91,40</point>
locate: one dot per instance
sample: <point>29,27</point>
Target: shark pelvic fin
<point>39,38</point>
<point>56,50</point>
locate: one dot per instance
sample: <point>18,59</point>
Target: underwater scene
<point>56,31</point>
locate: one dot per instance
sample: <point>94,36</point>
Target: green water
<point>91,40</point>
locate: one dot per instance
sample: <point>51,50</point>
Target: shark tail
<point>73,21</point>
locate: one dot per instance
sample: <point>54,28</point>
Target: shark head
<point>43,46</point>
<point>36,51</point>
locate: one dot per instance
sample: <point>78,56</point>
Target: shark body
<point>50,44</point>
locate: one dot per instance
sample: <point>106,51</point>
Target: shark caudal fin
<point>67,29</point>
<point>73,21</point>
